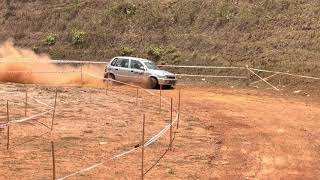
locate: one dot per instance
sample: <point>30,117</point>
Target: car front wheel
<point>152,83</point>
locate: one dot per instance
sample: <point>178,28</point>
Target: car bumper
<point>170,82</point>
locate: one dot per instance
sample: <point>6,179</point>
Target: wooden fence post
<point>160,103</point>
<point>137,96</point>
<point>26,104</point>
<point>107,86</point>
<point>170,144</point>
<point>248,76</point>
<point>179,104</point>
<point>81,73</point>
<point>53,162</point>
<point>8,126</point>
<point>54,109</point>
<point>142,144</point>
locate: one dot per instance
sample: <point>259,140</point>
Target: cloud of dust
<point>24,66</point>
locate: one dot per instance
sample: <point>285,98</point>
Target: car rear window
<point>113,63</point>
<point>122,63</point>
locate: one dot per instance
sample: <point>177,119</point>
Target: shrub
<point>170,50</point>
<point>35,49</point>
<point>126,51</point>
<point>154,53</point>
<point>77,36</point>
<point>50,40</point>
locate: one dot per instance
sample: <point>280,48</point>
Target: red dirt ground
<point>224,134</point>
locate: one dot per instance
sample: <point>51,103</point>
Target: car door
<point>136,70</point>
<point>121,69</point>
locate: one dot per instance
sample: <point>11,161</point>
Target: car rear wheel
<point>112,77</point>
<point>152,83</point>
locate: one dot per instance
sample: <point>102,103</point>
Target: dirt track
<point>263,137</point>
<point>224,134</point>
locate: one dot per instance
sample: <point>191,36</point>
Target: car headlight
<point>162,76</point>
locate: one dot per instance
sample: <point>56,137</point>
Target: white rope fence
<point>212,76</point>
<point>172,66</point>
<point>11,122</point>
<point>146,144</point>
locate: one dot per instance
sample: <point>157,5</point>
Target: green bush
<point>77,36</point>
<point>50,40</point>
<point>126,51</point>
<point>170,50</point>
<point>155,53</point>
<point>35,49</point>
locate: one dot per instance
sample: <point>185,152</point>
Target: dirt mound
<point>24,66</point>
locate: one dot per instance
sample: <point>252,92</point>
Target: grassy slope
<point>271,34</point>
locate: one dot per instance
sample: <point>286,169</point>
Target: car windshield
<point>151,65</point>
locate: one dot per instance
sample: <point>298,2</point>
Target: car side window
<point>122,63</point>
<point>136,65</point>
<point>113,63</point>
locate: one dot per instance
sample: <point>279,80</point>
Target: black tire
<point>152,83</point>
<point>168,87</point>
<point>111,76</point>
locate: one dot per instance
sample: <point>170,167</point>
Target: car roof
<point>133,58</point>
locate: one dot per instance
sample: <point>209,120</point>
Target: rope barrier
<point>266,78</point>
<point>36,100</point>
<point>243,68</point>
<point>202,67</point>
<point>149,142</point>
<point>28,118</point>
<point>146,144</point>
<point>40,102</point>
<point>284,73</point>
<point>173,66</point>
<point>263,79</point>
<point>212,76</point>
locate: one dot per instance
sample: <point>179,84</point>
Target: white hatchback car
<point>138,70</point>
